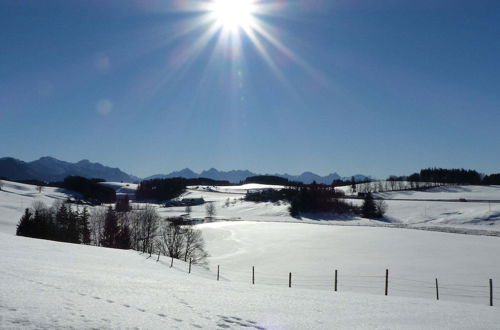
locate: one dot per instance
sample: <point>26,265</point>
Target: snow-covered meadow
<point>57,285</point>
<point>51,285</point>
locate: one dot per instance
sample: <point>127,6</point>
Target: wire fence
<point>382,284</point>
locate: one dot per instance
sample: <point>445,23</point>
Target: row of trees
<point>316,198</point>
<point>120,227</point>
<point>319,198</point>
<point>161,190</point>
<point>59,223</point>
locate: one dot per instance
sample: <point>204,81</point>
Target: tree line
<point>58,223</point>
<point>316,198</point>
<point>161,190</point>
<point>119,227</point>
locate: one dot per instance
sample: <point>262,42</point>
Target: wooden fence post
<point>217,272</point>
<point>189,265</point>
<point>290,280</point>
<point>253,274</point>
<point>158,256</point>
<point>335,280</point>
<point>491,292</point>
<point>172,262</point>
<point>437,289</point>
<point>386,281</point>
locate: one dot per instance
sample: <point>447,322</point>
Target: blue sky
<point>350,86</point>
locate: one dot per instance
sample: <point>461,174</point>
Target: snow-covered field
<point>56,285</point>
<point>50,285</point>
<point>417,211</point>
<point>361,255</point>
<point>422,211</point>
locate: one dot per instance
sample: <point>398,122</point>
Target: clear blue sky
<point>376,87</point>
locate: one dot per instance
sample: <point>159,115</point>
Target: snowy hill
<point>15,197</point>
<point>91,287</point>
<point>51,285</point>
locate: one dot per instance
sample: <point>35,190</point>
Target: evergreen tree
<point>122,205</point>
<point>73,230</point>
<point>84,226</point>
<point>111,229</point>
<point>24,225</point>
<point>294,208</point>
<point>123,238</point>
<point>62,224</point>
<point>369,209</point>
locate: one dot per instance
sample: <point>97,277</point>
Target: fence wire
<point>365,283</point>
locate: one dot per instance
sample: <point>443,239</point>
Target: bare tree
<point>182,242</point>
<point>194,246</point>
<point>97,217</point>
<point>135,230</point>
<point>381,206</point>
<point>210,210</point>
<point>38,206</point>
<point>148,221</point>
<point>171,240</point>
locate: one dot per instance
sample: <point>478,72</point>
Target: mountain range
<point>52,169</point>
<point>236,176</point>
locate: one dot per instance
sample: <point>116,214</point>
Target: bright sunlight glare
<point>233,14</point>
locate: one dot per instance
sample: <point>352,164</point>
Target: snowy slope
<point>15,197</point>
<point>462,263</point>
<point>417,211</point>
<point>448,192</point>
<point>51,285</point>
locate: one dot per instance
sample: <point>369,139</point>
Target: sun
<point>233,14</point>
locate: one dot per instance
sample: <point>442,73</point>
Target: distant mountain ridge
<point>236,176</point>
<point>52,169</point>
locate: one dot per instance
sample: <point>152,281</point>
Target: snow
<point>462,263</point>
<point>51,285</point>
<point>448,192</point>
<point>57,285</point>
<point>15,197</point>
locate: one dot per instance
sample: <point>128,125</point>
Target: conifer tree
<point>111,229</point>
<point>62,223</point>
<point>84,226</point>
<point>123,239</point>
<point>24,225</point>
<point>73,231</point>
<point>369,209</point>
